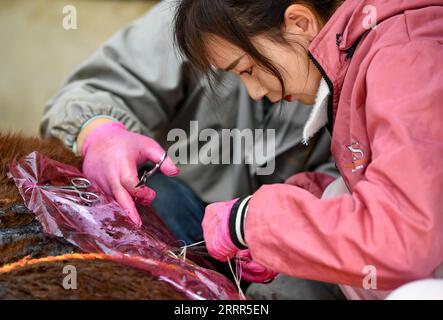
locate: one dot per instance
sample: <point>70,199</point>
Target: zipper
<point>350,52</point>
<point>330,124</point>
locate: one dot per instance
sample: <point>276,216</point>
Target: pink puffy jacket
<point>386,117</point>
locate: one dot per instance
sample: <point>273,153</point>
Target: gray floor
<point>37,53</point>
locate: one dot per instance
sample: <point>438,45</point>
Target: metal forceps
<point>147,174</point>
<point>198,249</point>
<point>77,185</point>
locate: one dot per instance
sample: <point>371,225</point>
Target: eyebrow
<point>233,64</point>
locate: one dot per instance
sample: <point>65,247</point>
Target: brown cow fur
<point>21,235</point>
<point>96,279</point>
<point>16,146</point>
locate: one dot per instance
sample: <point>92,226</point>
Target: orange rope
<point>27,261</point>
<point>136,261</point>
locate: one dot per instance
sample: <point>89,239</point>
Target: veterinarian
<point>373,71</point>
<point>117,108</point>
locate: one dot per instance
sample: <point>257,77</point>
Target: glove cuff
<point>104,127</point>
<point>237,220</point>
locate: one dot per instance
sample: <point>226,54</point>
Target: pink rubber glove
<point>252,271</point>
<point>216,231</point>
<point>112,155</point>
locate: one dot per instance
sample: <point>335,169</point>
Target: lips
<point>289,98</point>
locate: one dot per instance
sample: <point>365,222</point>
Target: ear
<point>301,20</point>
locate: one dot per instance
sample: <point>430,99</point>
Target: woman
<point>136,78</point>
<point>373,72</point>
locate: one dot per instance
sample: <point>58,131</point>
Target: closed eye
<point>248,72</point>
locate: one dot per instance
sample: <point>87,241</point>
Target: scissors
<point>77,185</point>
<point>150,173</point>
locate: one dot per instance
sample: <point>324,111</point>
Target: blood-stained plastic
<point>104,227</point>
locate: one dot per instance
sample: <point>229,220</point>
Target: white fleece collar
<point>319,114</point>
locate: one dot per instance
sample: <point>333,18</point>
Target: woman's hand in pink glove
<point>252,271</point>
<point>220,221</point>
<point>112,155</point>
<point>216,230</point>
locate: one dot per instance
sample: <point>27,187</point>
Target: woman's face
<point>300,76</point>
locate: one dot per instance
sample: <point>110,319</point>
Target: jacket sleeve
<point>393,219</point>
<point>136,77</point>
<point>314,182</point>
<point>321,167</point>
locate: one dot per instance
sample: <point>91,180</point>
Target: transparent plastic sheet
<point>103,227</point>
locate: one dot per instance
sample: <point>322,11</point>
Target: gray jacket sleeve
<point>136,77</point>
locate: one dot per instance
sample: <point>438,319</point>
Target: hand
<point>252,271</point>
<point>111,157</point>
<point>216,231</point>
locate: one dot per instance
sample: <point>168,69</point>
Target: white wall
<point>37,53</point>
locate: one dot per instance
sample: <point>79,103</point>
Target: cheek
<point>298,76</point>
<point>294,64</point>
<point>268,81</point>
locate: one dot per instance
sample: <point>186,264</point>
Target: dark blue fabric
<point>179,207</point>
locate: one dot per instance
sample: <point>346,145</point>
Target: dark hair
<point>236,21</point>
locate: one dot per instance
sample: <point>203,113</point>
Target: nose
<point>255,89</point>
